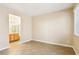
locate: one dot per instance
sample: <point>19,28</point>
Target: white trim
<point>53,43</point>
<point>4,48</point>
<point>25,41</point>
<point>47,42</point>
<point>75,20</point>
<point>75,51</point>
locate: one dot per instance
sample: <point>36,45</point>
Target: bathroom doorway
<point>14,28</point>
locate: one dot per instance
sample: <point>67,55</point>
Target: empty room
<point>39,29</point>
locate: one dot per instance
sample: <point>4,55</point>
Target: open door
<point>14,28</point>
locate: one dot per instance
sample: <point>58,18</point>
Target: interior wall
<point>4,28</point>
<point>26,29</point>
<point>26,26</point>
<point>76,36</point>
<point>54,27</point>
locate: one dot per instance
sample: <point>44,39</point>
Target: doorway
<point>14,28</point>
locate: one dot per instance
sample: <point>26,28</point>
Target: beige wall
<point>4,28</point>
<point>26,26</point>
<point>76,37</point>
<point>54,27</point>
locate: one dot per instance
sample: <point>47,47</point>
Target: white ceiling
<point>34,9</point>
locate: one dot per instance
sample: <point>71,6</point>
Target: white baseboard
<point>75,51</point>
<point>47,42</point>
<point>25,41</point>
<point>4,48</point>
<point>20,43</point>
<point>43,42</point>
<point>53,43</point>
